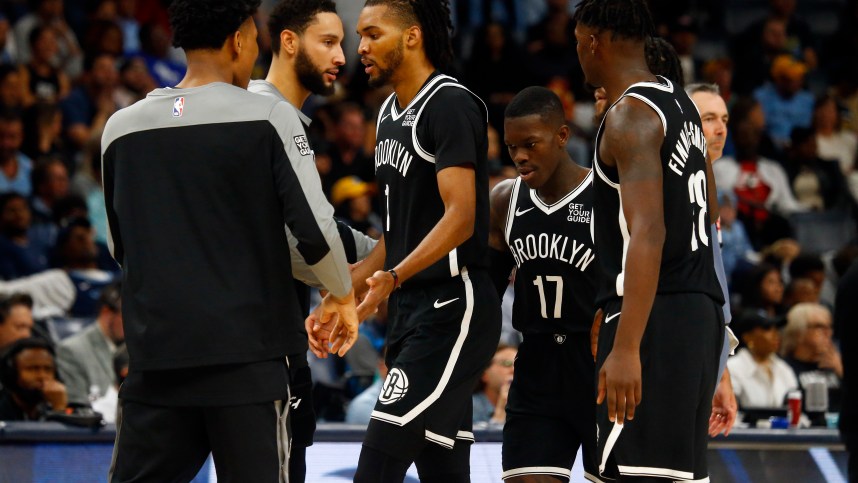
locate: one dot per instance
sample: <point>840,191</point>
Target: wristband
<point>392,272</point>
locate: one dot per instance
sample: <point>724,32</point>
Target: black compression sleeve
<point>500,269</point>
<point>348,239</point>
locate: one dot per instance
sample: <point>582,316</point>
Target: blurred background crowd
<point>787,184</point>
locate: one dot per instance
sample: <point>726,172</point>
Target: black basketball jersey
<point>686,261</point>
<point>444,125</point>
<point>555,278</point>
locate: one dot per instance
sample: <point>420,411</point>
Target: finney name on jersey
<point>551,246</point>
<point>691,135</point>
<point>391,152</point>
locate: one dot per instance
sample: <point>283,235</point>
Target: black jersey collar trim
<point>431,81</point>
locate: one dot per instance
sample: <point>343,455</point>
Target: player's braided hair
<point>433,16</point>
<point>661,58</point>
<point>629,19</point>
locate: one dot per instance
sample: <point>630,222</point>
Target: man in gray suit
<point>85,360</point>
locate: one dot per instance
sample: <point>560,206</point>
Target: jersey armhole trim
<point>426,155</point>
<point>510,214</point>
<point>654,108</point>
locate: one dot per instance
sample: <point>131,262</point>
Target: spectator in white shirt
<point>760,377</point>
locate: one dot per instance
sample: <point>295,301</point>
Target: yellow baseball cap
<point>788,66</point>
<point>348,188</point>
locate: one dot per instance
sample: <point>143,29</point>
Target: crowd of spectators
<point>787,185</point>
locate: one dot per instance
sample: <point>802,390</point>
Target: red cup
<point>794,408</point>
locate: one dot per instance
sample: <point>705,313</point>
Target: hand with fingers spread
<point>594,332</point>
<point>620,384</point>
<point>724,407</point>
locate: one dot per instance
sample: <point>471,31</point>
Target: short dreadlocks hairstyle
<point>625,19</point>
<point>661,58</point>
<point>206,24</point>
<point>295,15</point>
<point>433,17</point>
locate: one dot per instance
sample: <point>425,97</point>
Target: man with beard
<point>432,259</point>
<point>661,299</point>
<point>85,360</point>
<point>306,40</point>
<point>30,386</point>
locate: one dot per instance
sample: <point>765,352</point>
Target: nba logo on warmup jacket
<point>178,107</point>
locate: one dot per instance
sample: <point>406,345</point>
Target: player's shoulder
<point>449,93</point>
<point>122,122</point>
<point>633,111</point>
<point>502,193</point>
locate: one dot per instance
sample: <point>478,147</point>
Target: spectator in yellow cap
<point>352,200</point>
<point>786,103</point>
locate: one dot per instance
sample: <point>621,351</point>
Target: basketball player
<point>662,60</point>
<point>663,325</point>
<point>541,223</point>
<point>306,43</point>
<point>197,195</point>
<point>444,315</point>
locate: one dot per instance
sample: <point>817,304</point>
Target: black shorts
<point>551,409</point>
<point>302,417</point>
<point>440,340</point>
<point>679,364</point>
<point>158,443</point>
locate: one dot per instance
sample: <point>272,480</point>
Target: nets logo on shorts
<point>395,387</point>
<point>178,106</point>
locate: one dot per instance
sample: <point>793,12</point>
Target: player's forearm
<point>373,262</point>
<point>639,285</point>
<point>725,378</point>
<point>453,229</point>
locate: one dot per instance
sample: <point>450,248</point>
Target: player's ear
<point>289,41</point>
<point>233,44</point>
<point>413,36</point>
<point>563,135</point>
<point>594,44</point>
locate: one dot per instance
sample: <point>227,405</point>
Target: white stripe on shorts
<point>448,369</point>
<point>538,470</point>
<point>442,440</point>
<point>657,472</point>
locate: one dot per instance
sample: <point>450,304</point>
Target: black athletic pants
<point>170,444</point>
